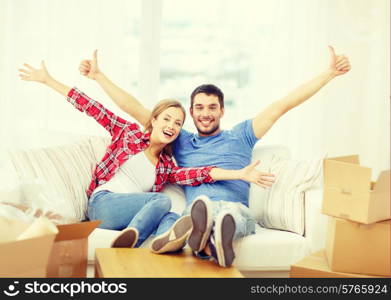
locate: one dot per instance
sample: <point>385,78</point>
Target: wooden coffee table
<point>141,262</point>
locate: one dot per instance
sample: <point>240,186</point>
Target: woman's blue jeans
<point>149,213</point>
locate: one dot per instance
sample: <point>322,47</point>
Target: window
<point>63,33</point>
<point>213,42</point>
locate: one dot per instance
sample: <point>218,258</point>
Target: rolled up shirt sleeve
<point>111,122</point>
<point>191,176</point>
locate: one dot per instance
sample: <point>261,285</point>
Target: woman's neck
<point>155,148</point>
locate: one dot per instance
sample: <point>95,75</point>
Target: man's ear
<point>222,112</point>
<point>191,111</point>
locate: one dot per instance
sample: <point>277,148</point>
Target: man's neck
<point>216,132</point>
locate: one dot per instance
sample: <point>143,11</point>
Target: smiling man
<point>206,109</point>
<point>219,212</point>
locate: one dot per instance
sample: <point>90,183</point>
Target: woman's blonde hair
<point>157,110</point>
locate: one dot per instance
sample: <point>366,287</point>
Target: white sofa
<point>268,253</point>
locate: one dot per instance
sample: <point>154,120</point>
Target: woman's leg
<point>142,211</point>
<point>166,222</point>
<point>150,215</point>
<point>172,233</point>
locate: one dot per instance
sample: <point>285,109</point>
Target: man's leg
<point>244,220</point>
<point>220,243</point>
<point>231,222</point>
<point>201,213</point>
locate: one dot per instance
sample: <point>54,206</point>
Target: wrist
<point>240,174</point>
<point>329,73</point>
<point>48,80</point>
<point>99,76</point>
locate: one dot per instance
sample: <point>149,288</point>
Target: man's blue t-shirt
<point>230,149</point>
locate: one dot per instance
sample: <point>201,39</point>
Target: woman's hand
<point>89,68</point>
<point>339,64</point>
<point>32,74</point>
<point>252,175</point>
<point>42,75</point>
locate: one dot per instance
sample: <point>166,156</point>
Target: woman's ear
<point>153,122</point>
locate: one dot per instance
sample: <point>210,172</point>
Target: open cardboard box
<point>68,257</point>
<point>24,258</point>
<point>359,248</point>
<point>349,193</point>
<point>315,266</point>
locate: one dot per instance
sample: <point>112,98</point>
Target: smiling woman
<point>166,122</point>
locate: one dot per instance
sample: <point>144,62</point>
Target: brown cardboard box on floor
<point>23,258</point>
<point>352,247</point>
<point>315,266</point>
<point>349,193</point>
<point>68,257</point>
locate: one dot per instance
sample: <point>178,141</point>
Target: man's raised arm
<point>124,100</point>
<point>339,65</point>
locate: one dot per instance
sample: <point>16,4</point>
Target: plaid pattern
<point>128,140</point>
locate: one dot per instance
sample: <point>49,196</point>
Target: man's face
<point>206,113</point>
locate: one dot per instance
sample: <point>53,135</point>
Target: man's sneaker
<point>220,242</point>
<point>202,219</point>
<point>127,238</point>
<point>175,238</point>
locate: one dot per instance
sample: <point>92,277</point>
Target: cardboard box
<point>315,266</point>
<point>349,193</point>
<point>359,248</point>
<point>25,258</point>
<point>68,257</point>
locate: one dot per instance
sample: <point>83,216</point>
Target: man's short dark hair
<point>208,89</point>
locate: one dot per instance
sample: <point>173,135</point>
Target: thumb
<point>254,164</point>
<point>332,52</point>
<point>95,56</point>
<point>43,64</point>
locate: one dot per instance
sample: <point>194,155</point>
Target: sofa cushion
<point>282,205</point>
<point>269,249</point>
<point>66,170</point>
<point>265,154</point>
<point>177,196</point>
<point>9,185</point>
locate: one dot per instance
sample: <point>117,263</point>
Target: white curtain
<point>259,50</point>
<point>277,44</point>
<point>63,33</point>
<point>351,114</point>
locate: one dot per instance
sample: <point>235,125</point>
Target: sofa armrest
<point>315,221</point>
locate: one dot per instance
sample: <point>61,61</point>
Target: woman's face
<point>167,125</point>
